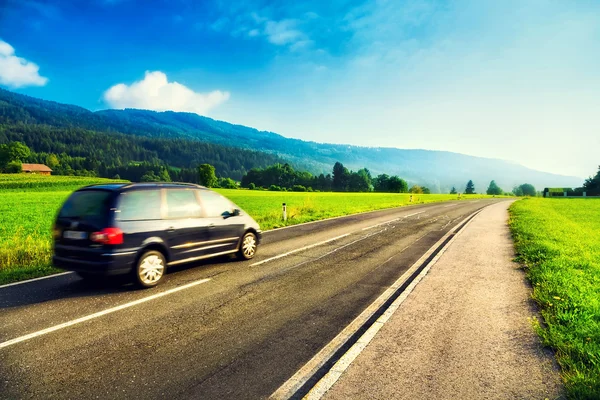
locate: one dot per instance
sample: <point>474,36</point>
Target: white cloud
<point>17,72</point>
<point>283,32</point>
<point>156,93</point>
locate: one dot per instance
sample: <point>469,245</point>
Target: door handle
<point>211,226</point>
<point>171,229</point>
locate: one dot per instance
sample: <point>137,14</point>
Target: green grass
<point>28,205</point>
<point>558,242</point>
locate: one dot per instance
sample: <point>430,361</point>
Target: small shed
<point>40,169</point>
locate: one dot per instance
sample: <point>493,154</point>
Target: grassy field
<point>28,205</point>
<point>558,241</point>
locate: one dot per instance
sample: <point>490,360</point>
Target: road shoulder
<point>464,332</point>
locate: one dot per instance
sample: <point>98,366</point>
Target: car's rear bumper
<point>108,265</point>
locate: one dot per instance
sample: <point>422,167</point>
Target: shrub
<point>298,188</point>
<point>274,188</point>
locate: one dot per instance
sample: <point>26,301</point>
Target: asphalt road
<point>240,334</point>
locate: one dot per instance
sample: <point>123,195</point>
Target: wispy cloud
<point>283,32</point>
<point>17,72</point>
<point>155,92</point>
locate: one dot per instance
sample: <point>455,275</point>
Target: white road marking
<point>300,249</point>
<point>328,240</point>
<point>451,205</point>
<point>294,383</point>
<point>100,314</point>
<point>35,279</point>
<point>391,220</point>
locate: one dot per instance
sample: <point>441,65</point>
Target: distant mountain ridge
<point>439,170</point>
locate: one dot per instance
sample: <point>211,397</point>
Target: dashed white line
<point>328,240</point>
<point>300,249</point>
<point>451,205</point>
<point>99,314</point>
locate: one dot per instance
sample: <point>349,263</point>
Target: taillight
<point>108,236</point>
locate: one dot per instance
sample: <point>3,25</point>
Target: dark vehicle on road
<point>141,228</point>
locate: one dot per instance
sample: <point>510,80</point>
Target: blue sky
<point>511,79</point>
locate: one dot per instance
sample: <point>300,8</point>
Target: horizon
<point>512,81</point>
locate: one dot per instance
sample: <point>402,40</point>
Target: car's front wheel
<point>248,246</point>
<point>150,269</point>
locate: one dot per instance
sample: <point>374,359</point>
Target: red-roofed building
<point>40,169</point>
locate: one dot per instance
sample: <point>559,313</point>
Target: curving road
<point>220,329</point>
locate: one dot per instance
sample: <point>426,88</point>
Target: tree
<point>18,151</point>
<point>381,183</point>
<point>206,175</point>
<point>358,182</point>
<point>14,167</point>
<point>365,174</point>
<point>341,177</point>
<point>52,161</point>
<point>425,190</point>
<point>227,183</point>
<point>150,176</point>
<point>592,185</point>
<point>470,189</point>
<point>453,191</point>
<point>416,189</point>
<point>527,189</point>
<point>397,185</point>
<point>14,151</point>
<point>494,189</point>
<point>517,191</point>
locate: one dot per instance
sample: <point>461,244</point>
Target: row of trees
<point>525,189</point>
<point>283,176</point>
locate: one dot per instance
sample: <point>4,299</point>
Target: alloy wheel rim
<point>249,246</point>
<point>151,269</point>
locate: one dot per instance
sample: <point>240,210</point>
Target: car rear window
<point>138,205</point>
<point>87,205</point>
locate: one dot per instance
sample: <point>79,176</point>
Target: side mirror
<point>236,212</point>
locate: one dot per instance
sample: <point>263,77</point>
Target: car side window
<point>138,205</point>
<point>182,203</point>
<point>215,204</point>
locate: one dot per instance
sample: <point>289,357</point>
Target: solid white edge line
<point>289,387</point>
<point>99,314</point>
<point>35,279</point>
<point>337,370</point>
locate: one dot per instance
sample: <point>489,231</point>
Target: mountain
<point>437,169</point>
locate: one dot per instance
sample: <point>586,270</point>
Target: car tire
<point>248,246</point>
<point>149,269</point>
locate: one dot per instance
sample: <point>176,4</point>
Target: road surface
<point>220,329</point>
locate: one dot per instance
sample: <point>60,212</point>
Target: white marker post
<point>284,212</point>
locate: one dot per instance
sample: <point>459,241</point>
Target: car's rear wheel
<point>248,246</point>
<point>150,269</point>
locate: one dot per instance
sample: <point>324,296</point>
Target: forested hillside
<point>84,144</point>
<point>175,138</point>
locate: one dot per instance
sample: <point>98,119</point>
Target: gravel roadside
<point>463,333</point>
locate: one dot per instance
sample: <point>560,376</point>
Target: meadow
<point>28,205</point>
<point>558,242</point>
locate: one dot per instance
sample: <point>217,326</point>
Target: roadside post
<point>284,212</point>
<point>411,198</point>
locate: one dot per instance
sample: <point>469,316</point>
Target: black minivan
<point>141,228</point>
